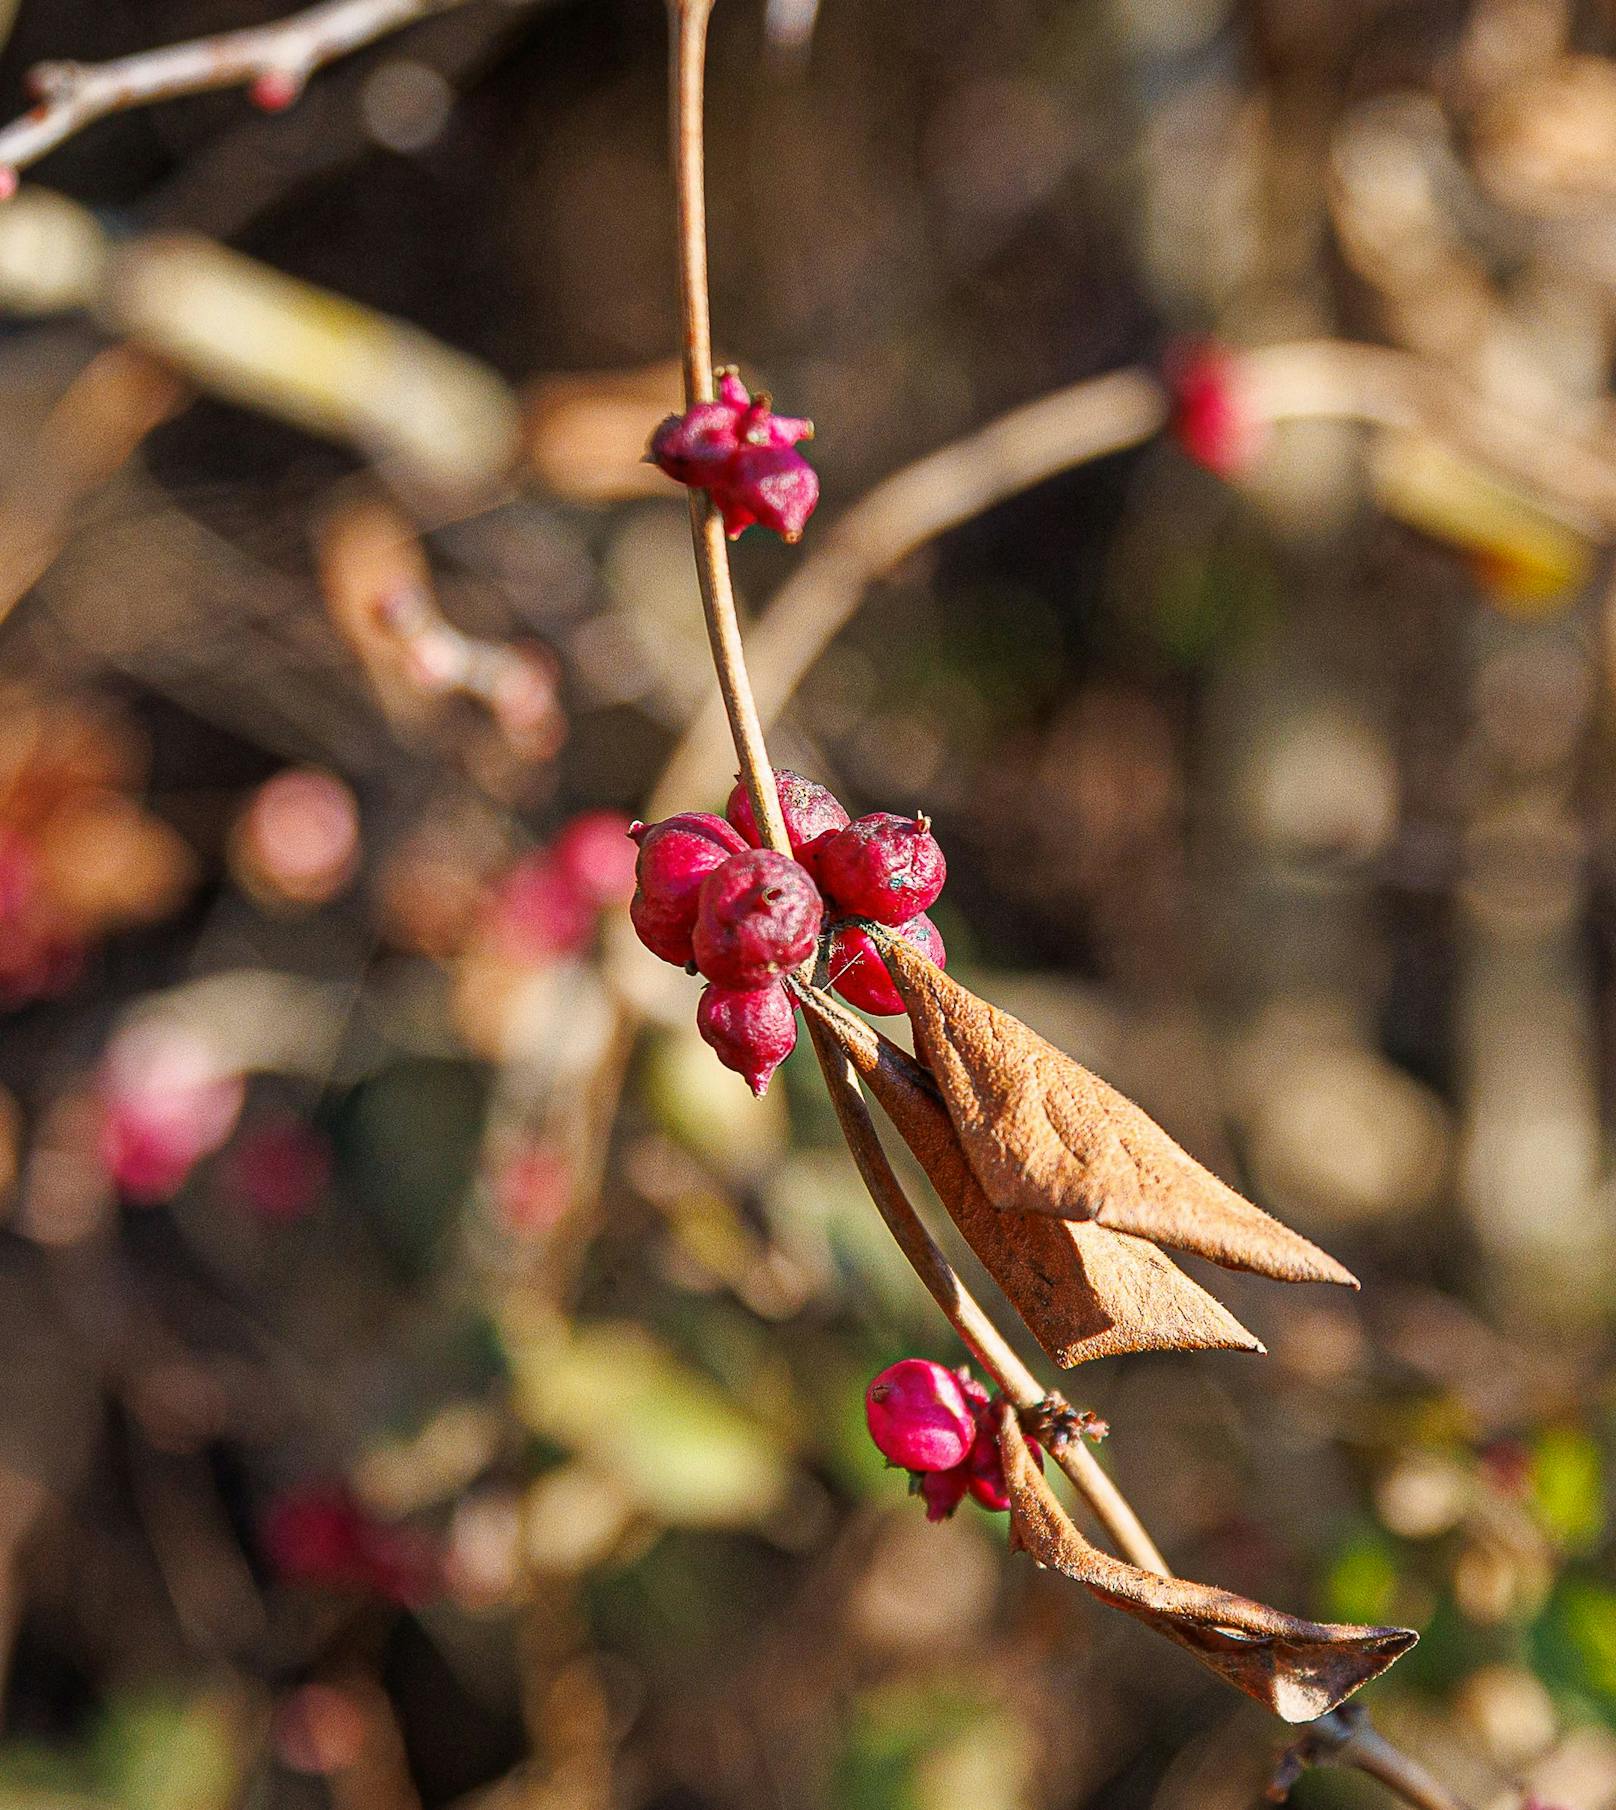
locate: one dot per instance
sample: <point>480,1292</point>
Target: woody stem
<point>687,23</point>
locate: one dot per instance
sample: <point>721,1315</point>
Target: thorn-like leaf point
<point>1298,1669</point>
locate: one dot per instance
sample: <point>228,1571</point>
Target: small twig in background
<point>379,592</point>
<point>274,61</point>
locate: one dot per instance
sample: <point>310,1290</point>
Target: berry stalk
<point>687,24</point>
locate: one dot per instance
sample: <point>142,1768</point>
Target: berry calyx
<point>810,811</point>
<point>750,1029</point>
<point>918,1416</point>
<point>757,917</point>
<point>676,856</point>
<point>860,976</point>
<point>883,866</point>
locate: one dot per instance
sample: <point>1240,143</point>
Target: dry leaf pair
<point>1061,1186</point>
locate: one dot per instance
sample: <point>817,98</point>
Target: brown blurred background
<point>429,1379</point>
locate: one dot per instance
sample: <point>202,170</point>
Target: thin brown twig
<point>1346,1737</point>
<point>688,21</point>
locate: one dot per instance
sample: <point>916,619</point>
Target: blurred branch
<point>1383,387</point>
<point>1085,421</point>
<point>1346,1737</point>
<point>440,423</point>
<point>114,403</point>
<point>276,60</point>
<point>379,593</point>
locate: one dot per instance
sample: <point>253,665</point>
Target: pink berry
<point>758,916</point>
<point>744,456</point>
<point>1212,416</point>
<point>664,929</point>
<point>858,973</point>
<point>772,486</point>
<point>751,1029</point>
<point>883,866</point>
<point>695,447</point>
<point>539,912</point>
<point>279,1169</point>
<point>319,1536</point>
<point>810,810</point>
<point>984,1468</point>
<point>595,853</point>
<point>167,1101</point>
<point>676,856</point>
<point>918,1416</point>
<point>275,90</point>
<point>943,1492</point>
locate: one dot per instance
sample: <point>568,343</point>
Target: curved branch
<point>1038,440</point>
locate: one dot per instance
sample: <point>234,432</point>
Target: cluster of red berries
<point>937,1424</point>
<point>745,457</point>
<point>710,899</point>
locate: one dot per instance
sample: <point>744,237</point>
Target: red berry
<point>664,929</point>
<point>539,911</point>
<point>676,855</point>
<point>943,1492</point>
<point>319,1536</point>
<point>772,486</point>
<point>918,1416</point>
<point>751,1029</point>
<point>883,866</point>
<point>595,853</point>
<point>694,448</point>
<point>744,455</point>
<point>808,808</point>
<point>1212,415</point>
<point>279,1169</point>
<point>275,90</point>
<point>984,1468</point>
<point>858,973</point>
<point>810,852</point>
<point>758,917</point>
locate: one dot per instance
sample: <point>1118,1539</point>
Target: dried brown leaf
<point>1083,1291</point>
<point>1044,1135</point>
<point>1299,1669</point>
